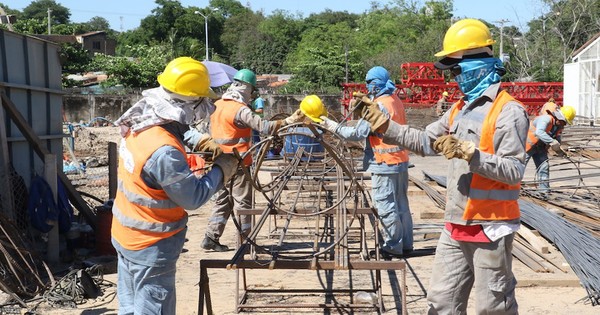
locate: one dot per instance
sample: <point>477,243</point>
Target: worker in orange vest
<point>156,186</point>
<point>231,127</point>
<point>544,132</point>
<point>484,137</point>
<point>387,163</point>
<point>440,106</point>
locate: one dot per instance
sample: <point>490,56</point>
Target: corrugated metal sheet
<point>30,75</point>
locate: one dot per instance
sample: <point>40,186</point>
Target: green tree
<point>39,10</point>
<point>139,71</point>
<point>74,58</point>
<point>98,23</point>
<point>321,59</point>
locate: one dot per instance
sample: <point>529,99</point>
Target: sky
<point>126,14</point>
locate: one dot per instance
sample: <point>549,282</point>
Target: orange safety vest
<point>143,215</point>
<point>225,133</point>
<point>532,139</point>
<point>387,153</point>
<point>490,199</point>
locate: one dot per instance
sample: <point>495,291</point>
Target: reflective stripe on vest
<point>383,152</point>
<point>224,131</point>
<point>143,215</point>
<point>490,199</point>
<point>533,140</point>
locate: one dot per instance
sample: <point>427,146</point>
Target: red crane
<point>422,85</point>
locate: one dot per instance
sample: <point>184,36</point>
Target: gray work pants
<point>242,199</point>
<point>460,266</point>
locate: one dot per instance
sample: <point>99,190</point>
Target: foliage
<point>74,58</point>
<point>316,49</point>
<point>39,10</point>
<point>138,71</point>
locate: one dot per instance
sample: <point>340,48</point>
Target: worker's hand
<point>555,145</point>
<point>228,165</point>
<point>297,116</point>
<point>328,124</point>
<point>452,147</point>
<point>207,144</point>
<point>378,120</point>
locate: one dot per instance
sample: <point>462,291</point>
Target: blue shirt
<point>360,132</point>
<point>258,103</point>
<point>167,169</point>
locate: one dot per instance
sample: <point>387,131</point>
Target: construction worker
<point>484,137</point>
<point>258,105</point>
<point>388,165</point>
<point>440,107</point>
<point>156,186</point>
<point>231,127</point>
<point>544,133</point>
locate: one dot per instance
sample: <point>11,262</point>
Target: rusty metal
<point>320,194</point>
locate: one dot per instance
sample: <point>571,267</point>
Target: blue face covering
<point>477,75</point>
<point>378,82</point>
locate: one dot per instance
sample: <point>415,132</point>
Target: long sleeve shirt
<point>505,165</point>
<point>541,123</point>
<point>167,169</point>
<point>245,118</point>
<point>360,132</point>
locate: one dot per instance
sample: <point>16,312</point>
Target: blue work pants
<point>391,201</point>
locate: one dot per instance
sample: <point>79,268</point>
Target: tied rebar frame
<point>323,204</point>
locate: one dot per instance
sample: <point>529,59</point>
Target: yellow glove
<point>452,147</point>
<point>297,116</point>
<point>207,144</point>
<point>359,101</point>
<point>378,120</point>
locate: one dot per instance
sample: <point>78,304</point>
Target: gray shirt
<point>505,165</point>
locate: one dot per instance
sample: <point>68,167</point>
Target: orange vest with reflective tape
<point>533,140</point>
<point>387,153</point>
<point>489,199</point>
<point>143,215</point>
<point>225,133</point>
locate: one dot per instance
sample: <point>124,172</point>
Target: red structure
<point>422,85</point>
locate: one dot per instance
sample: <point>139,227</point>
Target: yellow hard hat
<point>569,113</point>
<point>313,107</point>
<point>186,76</point>
<point>465,34</point>
<point>445,93</point>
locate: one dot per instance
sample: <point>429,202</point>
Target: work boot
<point>210,244</point>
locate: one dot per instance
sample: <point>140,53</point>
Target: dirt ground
<point>537,293</point>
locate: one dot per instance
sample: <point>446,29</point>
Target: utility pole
<point>49,23</point>
<point>502,22</point>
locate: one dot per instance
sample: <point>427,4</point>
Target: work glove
<point>555,145</point>
<point>452,147</point>
<point>228,165</point>
<point>297,116</point>
<point>378,120</point>
<point>207,144</point>
<point>359,101</point>
<point>328,124</point>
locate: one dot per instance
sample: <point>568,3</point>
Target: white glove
<point>328,124</point>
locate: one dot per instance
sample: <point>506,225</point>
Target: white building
<point>581,78</point>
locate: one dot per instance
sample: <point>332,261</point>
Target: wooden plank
<point>537,242</point>
<point>41,151</point>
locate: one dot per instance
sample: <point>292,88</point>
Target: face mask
<point>477,75</point>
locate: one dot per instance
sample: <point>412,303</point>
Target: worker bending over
<point>544,133</point>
